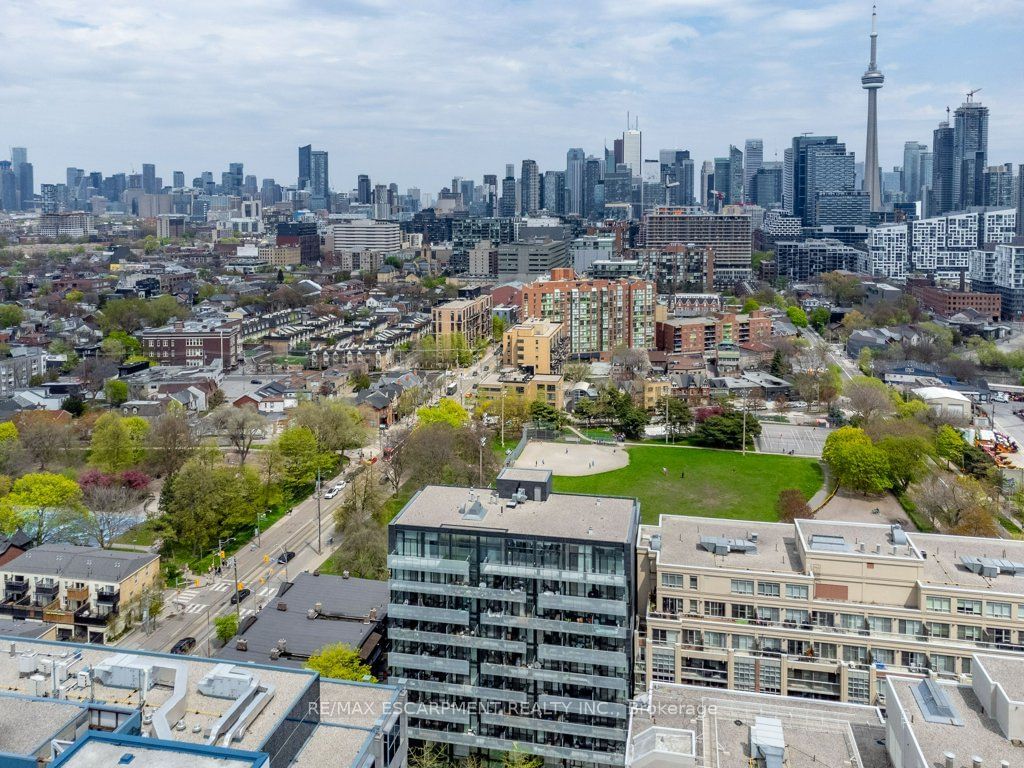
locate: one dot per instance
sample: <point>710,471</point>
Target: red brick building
<point>194,343</point>
<point>701,334</point>
<point>947,302</point>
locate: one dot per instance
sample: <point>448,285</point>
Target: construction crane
<point>970,95</point>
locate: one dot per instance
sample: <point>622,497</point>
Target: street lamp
<point>483,442</point>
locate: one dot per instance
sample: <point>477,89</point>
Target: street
<point>190,611</point>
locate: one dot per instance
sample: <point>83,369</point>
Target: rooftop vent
<point>767,741</point>
<point>934,703</point>
<point>990,567</point>
<point>825,542</point>
<point>241,644</point>
<point>473,510</point>
<point>721,545</point>
<point>897,535</point>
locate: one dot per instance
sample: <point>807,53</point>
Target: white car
<point>334,490</point>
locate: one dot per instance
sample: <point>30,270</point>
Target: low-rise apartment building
<point>704,334</point>
<point>510,619</point>
<point>508,382</point>
<point>194,343</point>
<point>76,588</point>
<point>16,371</point>
<point>822,610</point>
<point>471,317</point>
<point>536,345</point>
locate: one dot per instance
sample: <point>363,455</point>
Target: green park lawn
<point>715,483</point>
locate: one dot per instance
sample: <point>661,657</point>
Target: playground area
<point>572,459</point>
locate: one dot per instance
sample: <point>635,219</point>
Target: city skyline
<point>419,118</point>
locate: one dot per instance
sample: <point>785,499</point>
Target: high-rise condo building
<point>970,153</point>
<point>943,195</point>
<point>530,193</point>
<point>737,192</point>
<point>511,618</point>
<point>753,152</point>
<point>364,191</point>
<point>575,160</point>
<point>912,182</point>
<point>305,163</point>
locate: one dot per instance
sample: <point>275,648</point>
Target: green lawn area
<point>716,483</point>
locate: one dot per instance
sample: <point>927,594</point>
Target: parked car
<point>184,646</point>
<point>335,489</point>
<point>240,595</point>
<point>285,557</point>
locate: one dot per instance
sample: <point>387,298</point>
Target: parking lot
<point>784,438</point>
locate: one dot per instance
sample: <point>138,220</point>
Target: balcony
<point>588,707</point>
<point>552,574</point>
<point>507,745</point>
<point>76,594</point>
<point>428,564</point>
<point>108,596</point>
<point>554,726</point>
<point>582,604</point>
<point>540,674</point>
<point>428,663</point>
<point>15,589</point>
<point>588,629</point>
<point>458,640</point>
<point>57,616</point>
<point>568,653</point>
<point>459,590</point>
<point>424,613</point>
<point>444,711</point>
<point>460,689</point>
<point>46,593</point>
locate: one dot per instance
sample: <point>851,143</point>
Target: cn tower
<point>872,82</point>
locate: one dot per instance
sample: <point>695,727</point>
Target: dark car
<point>184,646</point>
<point>285,557</point>
<point>240,595</point>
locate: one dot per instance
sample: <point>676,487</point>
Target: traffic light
<point>240,585</point>
<point>221,553</point>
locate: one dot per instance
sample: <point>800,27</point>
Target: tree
<point>574,372</point>
<point>842,288</point>
<point>337,426</point>
<point>517,758</point>
<point>364,500</point>
<point>792,505</point>
<point>750,305</point>
<point>410,399</point>
<point>429,755</point>
<point>497,328</point>
<point>447,411</point>
<point>241,426</point>
<point>42,504</point>
<point>950,444</point>
<point>855,320</point>
<point>359,381</point>
<point>171,441</point>
<point>339,661</point>
<point>819,318</point>
<point>869,397</point>
<point>726,430</point>
<point>216,399</point>
<point>906,457</point>
<point>797,316</point>
<point>226,627</point>
<point>631,421</point>
<point>118,443</point>
<point>115,391</point>
<point>10,315</point>
<point>300,458</point>
<point>546,414</point>
<point>856,462</point>
<point>440,454</point>
<point>44,436</point>
<point>977,521</point>
<point>74,405</point>
<point>778,365</point>
<point>678,413</point>
<point>111,501</point>
<point>947,501</point>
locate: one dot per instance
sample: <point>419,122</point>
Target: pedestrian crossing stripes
<point>266,591</point>
<point>195,608</point>
<point>221,587</point>
<point>186,595</point>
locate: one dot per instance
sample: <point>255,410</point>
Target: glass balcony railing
<point>428,663</point>
<point>428,564</point>
<point>554,726</point>
<point>459,590</point>
<point>540,674</point>
<point>582,604</point>
<point>439,711</point>
<point>461,689</point>
<point>457,640</point>
<point>554,625</point>
<point>552,574</point>
<point>424,613</point>
<point>586,707</point>
<point>583,656</point>
<point>508,745</point>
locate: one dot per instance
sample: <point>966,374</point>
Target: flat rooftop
<point>561,516</point>
<point>96,752</point>
<point>344,617</point>
<point>777,550</point>
<point>975,734</point>
<point>29,723</point>
<point>816,733</point>
<point>331,745</point>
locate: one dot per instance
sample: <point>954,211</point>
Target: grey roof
<point>17,628</point>
<point>346,605</point>
<point>85,563</point>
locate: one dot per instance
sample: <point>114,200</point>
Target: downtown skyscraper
<point>530,188</point>
<point>970,153</point>
<point>575,159</point>
<point>753,153</point>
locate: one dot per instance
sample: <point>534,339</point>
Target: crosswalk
<point>195,608</point>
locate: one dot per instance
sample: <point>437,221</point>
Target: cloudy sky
<point>416,92</point>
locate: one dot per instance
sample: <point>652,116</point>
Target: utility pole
<point>666,419</point>
<point>744,446</point>
<point>483,442</point>
<point>503,416</point>
<point>238,602</point>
